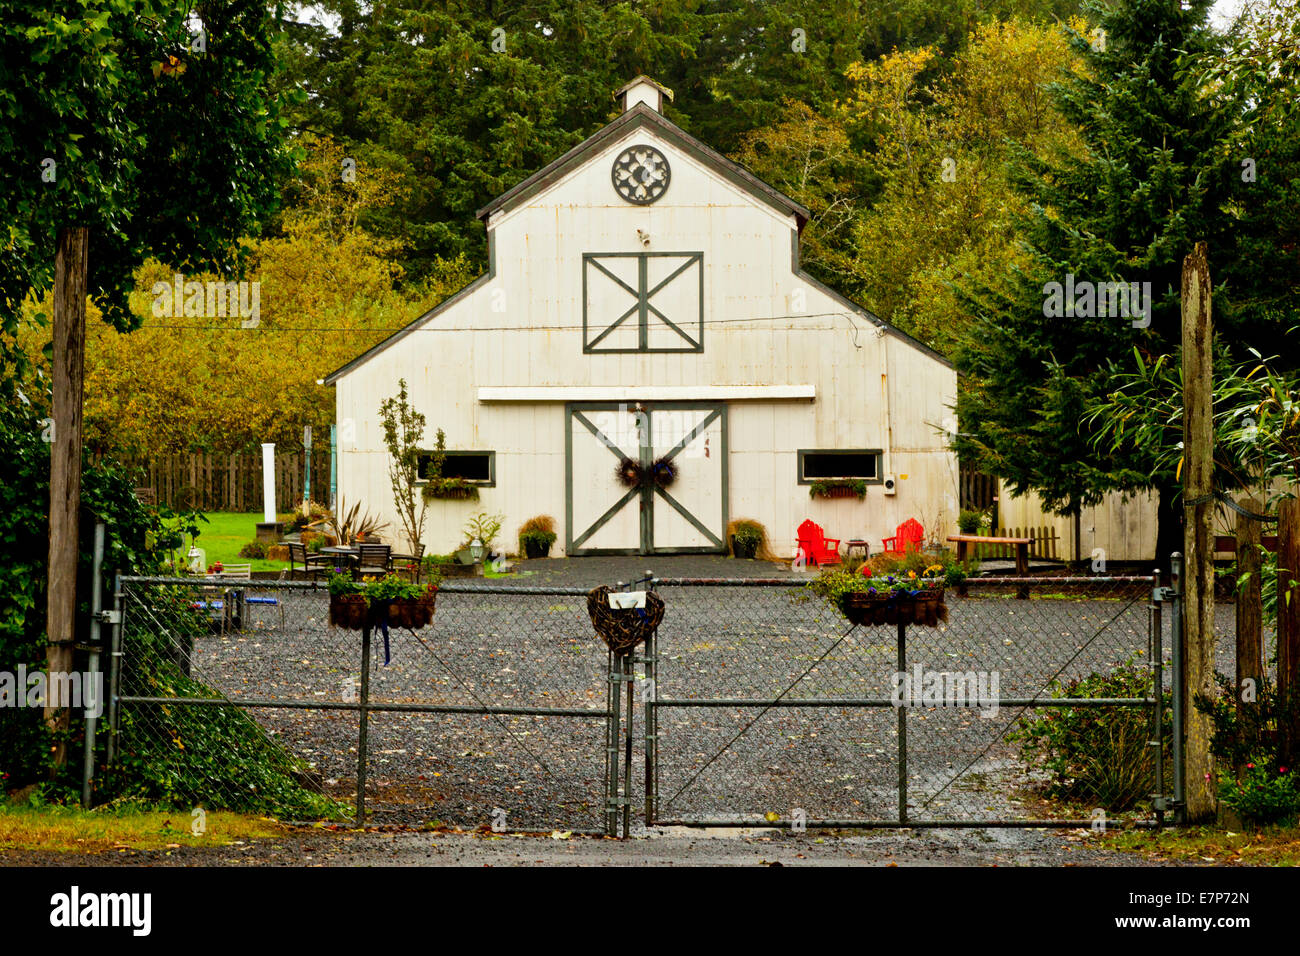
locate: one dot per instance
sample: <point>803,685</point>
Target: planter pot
<point>535,549</point>
<point>457,570</point>
<point>743,549</point>
<point>838,493</point>
<point>464,556</point>
<point>925,608</point>
<point>354,612</point>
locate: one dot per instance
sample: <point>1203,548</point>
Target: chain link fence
<point>496,714</point>
<point>755,704</point>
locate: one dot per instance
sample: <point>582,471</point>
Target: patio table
<point>345,556</point>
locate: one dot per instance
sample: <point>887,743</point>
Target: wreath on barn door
<point>661,473</point>
<point>629,473</point>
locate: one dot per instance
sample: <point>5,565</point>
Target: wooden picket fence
<point>978,490</point>
<point>213,482</point>
<point>1042,544</point>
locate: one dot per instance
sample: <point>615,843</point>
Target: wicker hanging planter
<point>354,612</point>
<point>925,608</point>
<point>623,628</point>
<point>413,613</point>
<point>349,611</point>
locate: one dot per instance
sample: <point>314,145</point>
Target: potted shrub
<point>536,537</point>
<point>746,539</point>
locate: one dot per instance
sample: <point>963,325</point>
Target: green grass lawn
<point>68,829</point>
<point>226,532</point>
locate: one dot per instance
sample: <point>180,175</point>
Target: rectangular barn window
<point>476,467</point>
<point>820,464</point>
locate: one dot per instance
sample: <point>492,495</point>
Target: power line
<point>853,318</point>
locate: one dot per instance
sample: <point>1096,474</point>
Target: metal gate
<point>754,704</point>
<point>499,714</point>
<point>767,710</point>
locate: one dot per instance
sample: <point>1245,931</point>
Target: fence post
<point>651,723</point>
<point>97,701</point>
<point>114,669</point>
<point>613,699</point>
<point>363,727</point>
<point>1249,601</point>
<point>1156,650</point>
<point>628,679</point>
<point>902,724</point>
<point>1176,640</point>
<point>1288,628</point>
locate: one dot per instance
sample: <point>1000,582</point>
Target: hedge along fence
<point>212,482</point>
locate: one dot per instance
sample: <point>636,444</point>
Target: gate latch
<point>109,617</point>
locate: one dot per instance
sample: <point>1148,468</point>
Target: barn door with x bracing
<point>680,504</point>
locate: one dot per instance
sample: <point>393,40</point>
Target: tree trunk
<point>1198,509</point>
<point>70,279</point>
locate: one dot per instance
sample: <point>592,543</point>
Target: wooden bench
<point>964,541</point>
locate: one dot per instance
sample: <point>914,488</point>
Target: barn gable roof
<point>637,117</point>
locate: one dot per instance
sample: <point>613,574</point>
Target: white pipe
<point>268,483</point>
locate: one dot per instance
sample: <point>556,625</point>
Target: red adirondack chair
<point>815,547</point>
<point>907,537</point>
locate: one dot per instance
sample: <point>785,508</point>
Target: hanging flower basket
<point>925,607</point>
<point>349,611</point>
<point>413,613</point>
<point>623,628</point>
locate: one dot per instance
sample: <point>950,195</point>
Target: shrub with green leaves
<point>254,549</point>
<point>138,540</point>
<point>748,536</point>
<point>1096,756</point>
<point>215,757</point>
<point>1253,780</point>
<point>1261,794</point>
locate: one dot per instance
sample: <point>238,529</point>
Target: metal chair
<point>301,561</point>
<point>413,563</point>
<point>373,559</point>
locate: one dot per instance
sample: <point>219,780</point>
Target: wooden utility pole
<point>1198,541</point>
<point>1249,603</point>
<point>70,280</point>
<point>1288,629</point>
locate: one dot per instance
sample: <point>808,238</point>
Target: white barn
<point>644,300</point>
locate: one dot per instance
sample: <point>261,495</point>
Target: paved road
<point>679,848</point>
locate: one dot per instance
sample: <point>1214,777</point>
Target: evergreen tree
<point>1151,179</point>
